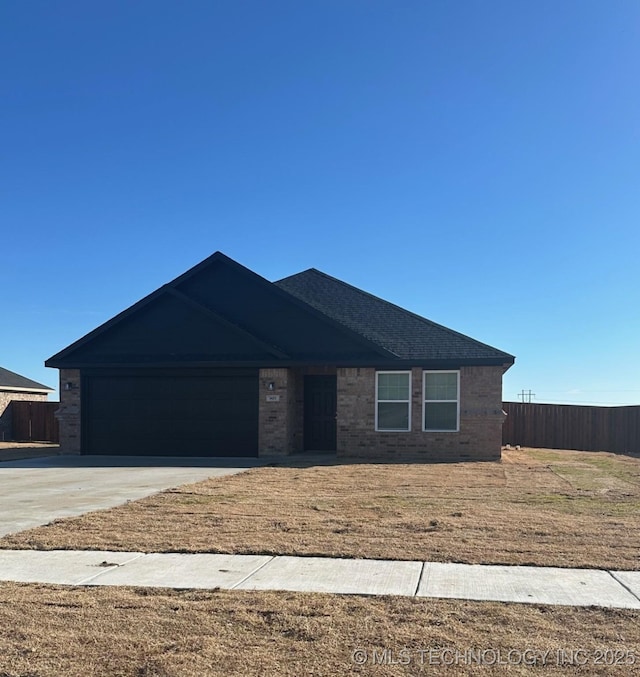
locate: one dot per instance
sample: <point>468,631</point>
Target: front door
<point>320,413</point>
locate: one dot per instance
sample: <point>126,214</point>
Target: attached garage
<point>170,412</point>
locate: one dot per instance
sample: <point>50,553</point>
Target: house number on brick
<point>273,398</point>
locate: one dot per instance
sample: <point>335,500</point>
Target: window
<point>441,401</point>
<point>393,400</point>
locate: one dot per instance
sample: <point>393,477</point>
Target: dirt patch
<point>79,632</point>
<point>539,507</point>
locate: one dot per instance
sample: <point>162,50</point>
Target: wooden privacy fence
<point>565,426</point>
<point>35,421</point>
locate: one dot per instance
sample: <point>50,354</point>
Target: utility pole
<point>526,396</point>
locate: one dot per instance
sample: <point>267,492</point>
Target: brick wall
<point>6,427</point>
<point>276,412</point>
<point>68,413</point>
<point>481,418</point>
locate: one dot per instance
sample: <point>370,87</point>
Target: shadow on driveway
<point>75,461</point>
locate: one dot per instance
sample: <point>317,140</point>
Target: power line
<point>526,396</point>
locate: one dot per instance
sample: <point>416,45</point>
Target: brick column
<point>276,412</point>
<point>69,412</point>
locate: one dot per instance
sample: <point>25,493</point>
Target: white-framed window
<point>393,401</point>
<point>441,412</point>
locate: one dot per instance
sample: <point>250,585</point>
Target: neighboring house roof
<point>9,380</point>
<point>407,335</point>
<point>220,313</point>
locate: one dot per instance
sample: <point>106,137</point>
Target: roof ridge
<point>425,320</point>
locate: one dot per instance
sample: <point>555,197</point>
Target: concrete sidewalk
<point>535,585</point>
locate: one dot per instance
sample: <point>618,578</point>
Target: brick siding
<point>276,416</point>
<point>68,413</point>
<point>481,418</point>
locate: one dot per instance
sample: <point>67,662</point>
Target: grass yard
<point>538,507</point>
<point>48,631</point>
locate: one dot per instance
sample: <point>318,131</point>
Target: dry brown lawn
<point>50,631</point>
<point>539,507</point>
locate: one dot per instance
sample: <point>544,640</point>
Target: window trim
<point>425,400</point>
<point>407,401</point>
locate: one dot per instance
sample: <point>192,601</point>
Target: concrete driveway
<point>36,491</point>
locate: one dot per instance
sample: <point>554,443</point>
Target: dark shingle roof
<point>221,314</point>
<point>405,334</point>
<point>9,379</point>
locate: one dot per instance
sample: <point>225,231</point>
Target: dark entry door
<point>320,413</point>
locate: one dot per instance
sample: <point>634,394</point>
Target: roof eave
<point>371,362</point>
<point>16,389</point>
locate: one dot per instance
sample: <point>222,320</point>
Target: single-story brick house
<point>15,387</point>
<point>222,362</point>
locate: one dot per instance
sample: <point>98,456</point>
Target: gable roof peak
<point>229,295</point>
<point>216,257</point>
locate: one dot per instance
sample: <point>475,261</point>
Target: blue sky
<point>477,162</point>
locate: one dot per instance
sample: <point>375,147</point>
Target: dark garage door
<point>171,413</point>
